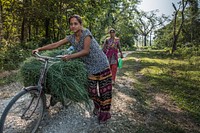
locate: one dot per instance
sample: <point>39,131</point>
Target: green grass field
<point>175,76</point>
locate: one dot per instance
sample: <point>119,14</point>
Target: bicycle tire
<point>11,120</point>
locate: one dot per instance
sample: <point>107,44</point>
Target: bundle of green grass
<point>64,79</point>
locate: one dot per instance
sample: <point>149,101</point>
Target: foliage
<point>49,19</point>
<point>188,52</point>
<point>8,78</point>
<point>163,36</point>
<point>189,33</point>
<point>146,22</point>
<point>13,54</point>
<point>41,22</point>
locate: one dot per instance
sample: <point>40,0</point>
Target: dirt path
<point>129,113</point>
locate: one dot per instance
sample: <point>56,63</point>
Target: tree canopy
<point>27,24</point>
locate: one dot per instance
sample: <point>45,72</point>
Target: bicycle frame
<point>31,103</point>
<point>40,83</point>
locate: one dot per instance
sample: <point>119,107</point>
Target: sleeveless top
<point>96,61</point>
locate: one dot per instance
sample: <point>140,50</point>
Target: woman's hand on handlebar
<point>35,51</point>
<point>66,57</point>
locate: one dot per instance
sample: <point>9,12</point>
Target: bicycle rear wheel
<point>23,113</point>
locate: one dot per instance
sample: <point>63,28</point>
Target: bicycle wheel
<point>23,113</point>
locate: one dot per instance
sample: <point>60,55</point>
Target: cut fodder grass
<point>64,80</point>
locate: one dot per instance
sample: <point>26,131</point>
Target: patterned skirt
<point>100,91</point>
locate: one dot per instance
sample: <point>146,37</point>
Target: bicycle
<point>26,109</point>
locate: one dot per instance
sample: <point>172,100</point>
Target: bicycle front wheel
<point>23,113</point>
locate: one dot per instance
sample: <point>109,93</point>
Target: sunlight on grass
<point>152,70</point>
<point>127,67</point>
<point>177,77</point>
<point>164,61</point>
<point>129,74</point>
<point>130,58</point>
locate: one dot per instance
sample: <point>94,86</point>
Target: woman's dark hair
<point>77,17</point>
<point>112,30</point>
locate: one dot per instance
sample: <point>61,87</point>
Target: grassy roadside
<point>162,73</point>
<point>8,77</point>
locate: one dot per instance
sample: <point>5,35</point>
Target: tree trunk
<point>36,30</point>
<point>22,31</point>
<point>145,40</point>
<point>1,24</point>
<point>29,31</point>
<point>47,22</point>
<point>150,39</point>
<point>174,46</point>
<point>194,19</point>
<point>142,40</point>
<point>176,33</point>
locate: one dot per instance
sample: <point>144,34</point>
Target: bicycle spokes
<point>24,112</point>
<point>26,115</point>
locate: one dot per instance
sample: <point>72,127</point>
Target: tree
<point>193,21</point>
<point>177,29</point>
<point>146,22</point>
<point>189,35</point>
<point>1,23</point>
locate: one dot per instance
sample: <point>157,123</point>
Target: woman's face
<point>112,34</point>
<point>75,25</point>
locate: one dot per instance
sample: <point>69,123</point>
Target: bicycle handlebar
<point>47,57</point>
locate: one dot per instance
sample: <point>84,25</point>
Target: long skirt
<point>113,68</point>
<point>100,91</point>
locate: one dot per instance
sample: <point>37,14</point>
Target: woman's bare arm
<point>53,45</point>
<point>119,47</point>
<point>105,46</point>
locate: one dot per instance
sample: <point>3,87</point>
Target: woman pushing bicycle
<point>99,73</point>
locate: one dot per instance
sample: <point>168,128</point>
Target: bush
<point>188,51</point>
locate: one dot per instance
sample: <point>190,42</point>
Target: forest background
<point>28,24</point>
